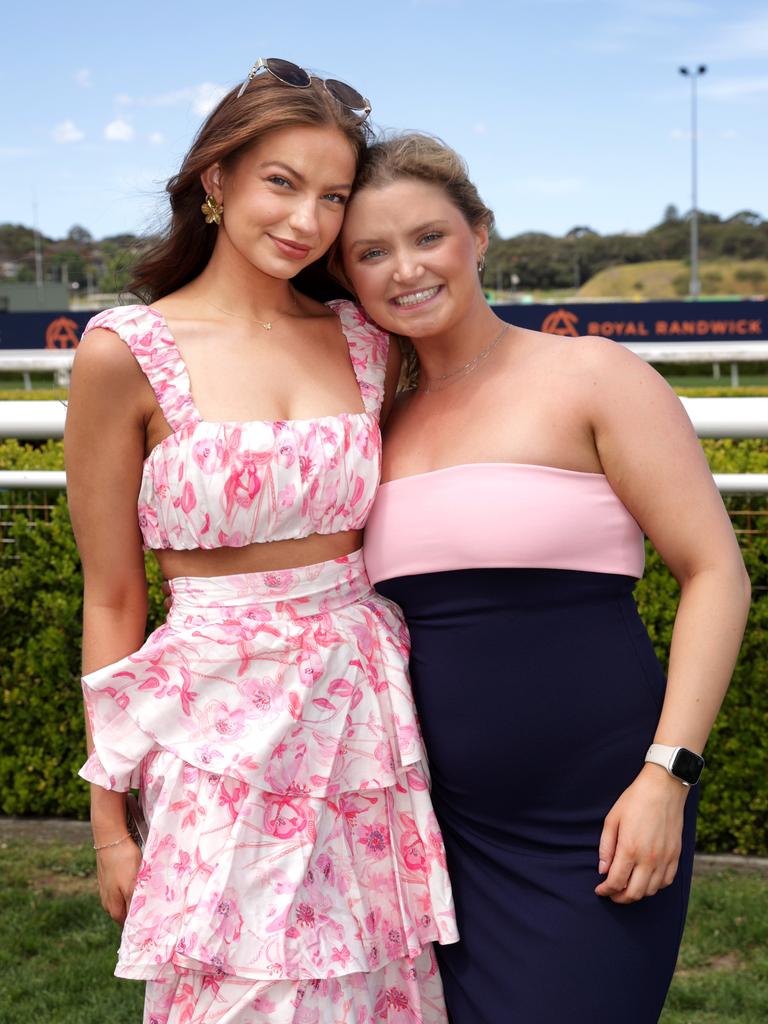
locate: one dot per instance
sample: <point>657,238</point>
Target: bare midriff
<point>261,557</point>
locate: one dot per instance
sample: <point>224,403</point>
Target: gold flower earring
<point>212,210</point>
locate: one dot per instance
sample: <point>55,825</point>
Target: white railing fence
<point>59,361</point>
<point>711,417</point>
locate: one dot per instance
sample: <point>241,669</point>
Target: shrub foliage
<point>41,729</point>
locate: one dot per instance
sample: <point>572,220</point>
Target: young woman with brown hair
<point>293,868</point>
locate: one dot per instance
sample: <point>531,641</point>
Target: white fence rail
<point>54,480</point>
<point>32,480</point>
<point>714,352</point>
<point>32,421</point>
<point>44,360</point>
<point>711,417</point>
<point>59,362</point>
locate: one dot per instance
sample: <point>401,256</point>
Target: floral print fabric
<point>294,863</point>
<point>294,870</point>
<point>403,992</point>
<point>229,484</point>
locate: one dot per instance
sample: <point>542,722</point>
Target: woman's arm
<point>104,449</point>
<point>655,464</point>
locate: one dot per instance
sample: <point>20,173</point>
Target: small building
<point>28,297</point>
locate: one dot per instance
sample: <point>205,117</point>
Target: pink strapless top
<point>500,515</point>
<point>228,484</point>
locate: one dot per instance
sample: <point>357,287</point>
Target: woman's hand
<point>641,839</point>
<point>116,870</point>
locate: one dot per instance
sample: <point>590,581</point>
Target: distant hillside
<point>536,261</point>
<point>669,279</point>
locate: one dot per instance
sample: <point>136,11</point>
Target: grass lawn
<point>57,947</point>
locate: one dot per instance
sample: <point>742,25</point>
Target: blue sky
<point>567,111</point>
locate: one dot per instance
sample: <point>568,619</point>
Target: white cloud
<point>206,96</point>
<point>201,98</point>
<point>734,88</point>
<point>118,131</point>
<point>742,39</point>
<point>156,138</point>
<point>83,78</point>
<point>67,131</point>
<point>632,25</point>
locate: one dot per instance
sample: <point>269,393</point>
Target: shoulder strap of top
<point>146,334</point>
<point>368,348</point>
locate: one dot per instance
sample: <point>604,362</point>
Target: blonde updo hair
<point>428,159</point>
<point>419,157</point>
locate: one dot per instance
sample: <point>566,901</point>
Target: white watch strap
<point>660,753</point>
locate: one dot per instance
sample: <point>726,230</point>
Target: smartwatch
<point>681,763</point>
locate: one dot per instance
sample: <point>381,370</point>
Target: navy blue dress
<point>538,692</point>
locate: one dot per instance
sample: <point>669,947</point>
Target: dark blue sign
<point>646,321</point>
<point>622,321</point>
<point>42,330</point>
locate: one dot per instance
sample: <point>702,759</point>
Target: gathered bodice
<point>227,484</point>
<point>501,515</point>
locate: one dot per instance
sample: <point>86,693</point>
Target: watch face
<point>687,766</point>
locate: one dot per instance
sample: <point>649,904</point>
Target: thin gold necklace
<point>266,324</point>
<point>444,380</point>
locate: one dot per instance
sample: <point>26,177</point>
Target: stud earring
<point>212,210</point>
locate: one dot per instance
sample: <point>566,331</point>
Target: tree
<point>79,235</point>
<point>748,217</point>
<point>671,214</point>
<point>581,231</point>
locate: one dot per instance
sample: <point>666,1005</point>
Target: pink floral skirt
<point>294,870</point>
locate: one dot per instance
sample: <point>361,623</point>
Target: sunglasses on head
<point>291,74</point>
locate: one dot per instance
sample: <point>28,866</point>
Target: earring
<point>481,264</point>
<point>212,210</point>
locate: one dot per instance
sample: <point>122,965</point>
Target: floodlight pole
<point>694,74</point>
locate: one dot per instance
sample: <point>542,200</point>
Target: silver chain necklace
<point>444,380</point>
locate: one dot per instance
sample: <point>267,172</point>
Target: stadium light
<point>694,74</point>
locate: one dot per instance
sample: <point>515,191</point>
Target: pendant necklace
<point>445,380</point>
<point>266,324</point>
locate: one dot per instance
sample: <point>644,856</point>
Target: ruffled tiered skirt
<point>294,870</point>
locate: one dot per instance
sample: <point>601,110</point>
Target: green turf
<point>722,975</point>
<point>57,947</point>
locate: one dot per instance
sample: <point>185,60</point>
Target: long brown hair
<point>235,124</point>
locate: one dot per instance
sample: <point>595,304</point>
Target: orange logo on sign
<point>61,333</point>
<point>561,322</point>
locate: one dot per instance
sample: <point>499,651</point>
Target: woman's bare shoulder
<point>107,379</point>
<point>104,356</point>
<point>595,358</point>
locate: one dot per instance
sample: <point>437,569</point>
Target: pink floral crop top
<point>210,485</point>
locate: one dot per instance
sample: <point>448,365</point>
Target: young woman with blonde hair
<point>519,476</point>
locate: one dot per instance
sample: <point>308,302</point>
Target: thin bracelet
<point>105,846</point>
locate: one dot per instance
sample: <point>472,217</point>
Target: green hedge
<point>41,732</point>
<point>34,395</point>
